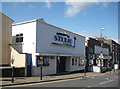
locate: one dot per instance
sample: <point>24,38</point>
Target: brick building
<point>93,51</point>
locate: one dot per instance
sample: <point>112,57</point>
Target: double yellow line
<point>49,82</point>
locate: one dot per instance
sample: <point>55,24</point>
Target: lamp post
<point>85,67</point>
<point>41,72</point>
<point>101,31</point>
<point>101,57</point>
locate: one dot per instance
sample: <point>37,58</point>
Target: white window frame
<point>19,37</point>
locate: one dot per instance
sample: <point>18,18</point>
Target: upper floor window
<point>76,61</point>
<point>116,48</point>
<point>72,61</point>
<point>19,37</point>
<point>113,46</point>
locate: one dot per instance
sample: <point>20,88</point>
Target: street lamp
<point>101,56</point>
<point>101,31</point>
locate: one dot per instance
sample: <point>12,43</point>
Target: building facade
<point>5,39</point>
<point>56,49</point>
<point>97,53</point>
<point>114,50</point>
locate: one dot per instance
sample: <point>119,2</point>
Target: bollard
<point>110,71</point>
<point>84,72</point>
<point>13,74</point>
<point>41,73</point>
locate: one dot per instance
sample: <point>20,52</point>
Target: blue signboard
<point>62,39</point>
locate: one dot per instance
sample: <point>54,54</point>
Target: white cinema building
<point>56,49</point>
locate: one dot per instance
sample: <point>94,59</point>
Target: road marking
<point>107,78</point>
<point>105,82</point>
<point>101,83</point>
<point>41,83</point>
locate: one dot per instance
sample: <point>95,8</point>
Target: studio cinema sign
<point>62,39</point>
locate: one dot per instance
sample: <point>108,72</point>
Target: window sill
<point>18,43</point>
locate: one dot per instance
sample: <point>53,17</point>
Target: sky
<point>84,18</point>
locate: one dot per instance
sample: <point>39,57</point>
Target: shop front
<point>55,64</point>
<point>96,61</point>
<point>103,63</point>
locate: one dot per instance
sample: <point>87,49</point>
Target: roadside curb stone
<point>29,80</point>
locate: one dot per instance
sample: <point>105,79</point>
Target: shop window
<point>72,61</point>
<point>39,61</point>
<point>76,61</point>
<point>19,37</point>
<point>51,57</point>
<point>79,61</point>
<point>90,62</point>
<point>82,62</point>
<point>46,61</point>
<point>43,61</point>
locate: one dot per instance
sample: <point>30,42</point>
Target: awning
<point>58,54</point>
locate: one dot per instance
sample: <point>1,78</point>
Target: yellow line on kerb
<point>41,83</point>
<point>48,82</point>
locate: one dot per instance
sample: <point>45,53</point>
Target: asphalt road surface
<point>107,80</point>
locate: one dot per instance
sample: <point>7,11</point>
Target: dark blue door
<point>29,64</point>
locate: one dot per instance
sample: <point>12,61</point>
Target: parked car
<point>106,68</point>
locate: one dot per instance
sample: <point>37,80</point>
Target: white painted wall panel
<point>75,67</point>
<point>29,34</point>
<point>51,69</point>
<point>67,64</point>
<point>45,36</point>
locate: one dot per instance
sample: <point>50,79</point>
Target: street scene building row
<point>34,44</point>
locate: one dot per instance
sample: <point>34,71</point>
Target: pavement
<point>6,81</point>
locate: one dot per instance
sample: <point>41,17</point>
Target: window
<point>116,57</point>
<point>72,61</point>
<point>76,61</point>
<point>43,61</point>
<point>113,57</point>
<point>113,46</point>
<point>79,61</point>
<point>116,48</point>
<point>52,57</point>
<point>39,61</point>
<point>19,37</point>
<point>82,62</point>
<point>46,61</point>
<point>90,62</point>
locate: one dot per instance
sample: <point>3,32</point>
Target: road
<point>107,80</point>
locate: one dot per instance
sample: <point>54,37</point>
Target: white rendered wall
<point>45,36</point>
<point>67,64</point>
<point>29,38</point>
<point>75,67</point>
<point>46,70</point>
